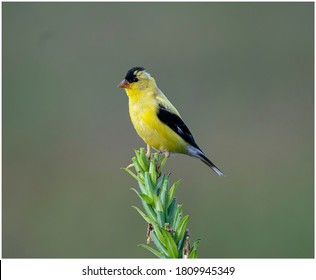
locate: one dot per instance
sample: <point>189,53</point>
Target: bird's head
<point>137,80</point>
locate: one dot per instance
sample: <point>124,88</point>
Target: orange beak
<point>124,84</point>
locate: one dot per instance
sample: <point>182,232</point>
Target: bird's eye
<point>135,80</point>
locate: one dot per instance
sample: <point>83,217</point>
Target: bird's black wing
<point>176,124</point>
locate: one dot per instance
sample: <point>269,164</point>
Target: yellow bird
<point>156,120</point>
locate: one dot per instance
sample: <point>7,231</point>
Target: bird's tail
<point>195,152</point>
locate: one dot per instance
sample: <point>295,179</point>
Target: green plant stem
<point>167,227</point>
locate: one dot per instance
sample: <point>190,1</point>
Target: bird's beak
<point>124,84</point>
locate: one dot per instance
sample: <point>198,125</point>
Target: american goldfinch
<point>156,120</point>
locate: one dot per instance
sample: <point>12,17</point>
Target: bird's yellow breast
<point>143,112</point>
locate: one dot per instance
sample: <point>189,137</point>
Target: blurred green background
<point>241,74</point>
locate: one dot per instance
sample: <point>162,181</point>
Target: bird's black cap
<point>130,76</point>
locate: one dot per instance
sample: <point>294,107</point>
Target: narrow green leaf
<point>134,176</point>
<point>141,176</point>
<point>157,203</point>
<point>148,185</point>
<point>177,217</point>
<point>159,234</point>
<point>149,211</point>
<point>147,219</point>
<point>143,158</point>
<point>137,153</point>
<point>152,172</point>
<point>172,191</point>
<point>193,253</point>
<point>159,184</point>
<point>170,244</point>
<point>140,161</point>
<point>156,156</point>
<point>138,167</point>
<point>162,164</point>
<point>181,245</point>
<point>161,218</point>
<point>142,151</point>
<point>196,243</point>
<point>171,211</point>
<point>135,191</point>
<point>155,252</point>
<point>159,246</point>
<point>180,230</point>
<point>142,187</point>
<point>147,198</point>
<point>164,193</point>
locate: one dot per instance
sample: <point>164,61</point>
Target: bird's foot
<point>164,153</point>
<point>148,152</point>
